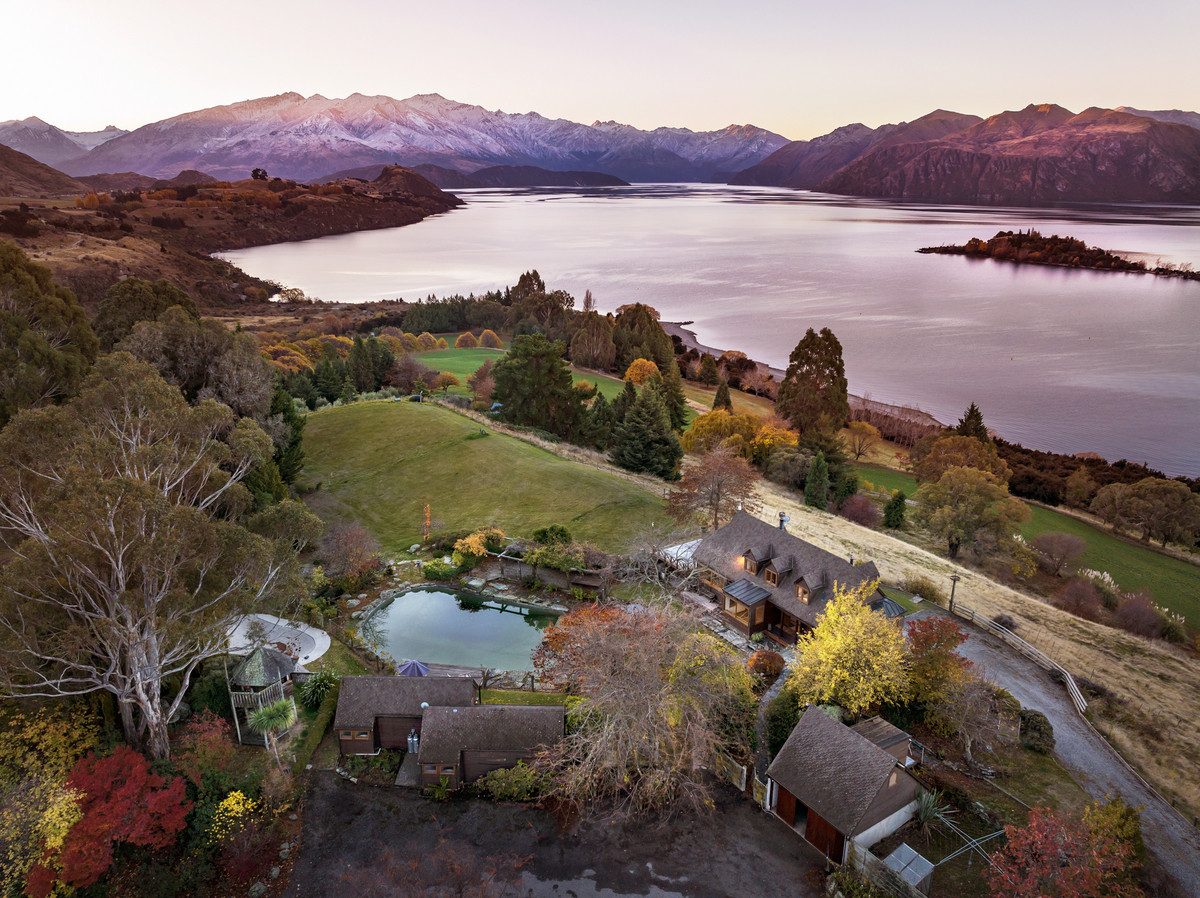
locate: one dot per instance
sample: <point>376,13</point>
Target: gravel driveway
<point>1091,760</point>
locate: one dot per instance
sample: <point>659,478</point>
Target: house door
<point>785,806</point>
<point>822,836</point>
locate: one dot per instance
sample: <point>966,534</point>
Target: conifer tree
<point>328,377</point>
<point>534,383</point>
<point>672,393</point>
<point>347,394</point>
<point>813,393</point>
<point>971,424</point>
<point>358,365</point>
<point>722,400</point>
<point>624,402</point>
<point>893,512</point>
<point>645,442</point>
<point>289,453</point>
<point>601,422</point>
<point>816,486</point>
<point>708,370</point>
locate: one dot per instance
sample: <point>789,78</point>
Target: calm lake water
<point>1057,359</point>
<point>456,628</point>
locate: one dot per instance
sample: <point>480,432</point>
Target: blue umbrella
<point>412,669</point>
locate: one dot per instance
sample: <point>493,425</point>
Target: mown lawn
<point>521,697</point>
<point>380,462</point>
<point>1173,582</point>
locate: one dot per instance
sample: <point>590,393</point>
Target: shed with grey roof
<point>832,784</point>
<point>377,712</point>
<point>460,745</point>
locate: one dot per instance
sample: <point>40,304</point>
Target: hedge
<point>317,729</point>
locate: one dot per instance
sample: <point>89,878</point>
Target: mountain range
<point>308,137</point>
<point>1039,155</point>
<point>1042,154</point>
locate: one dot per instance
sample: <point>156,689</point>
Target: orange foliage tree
<point>640,371</point>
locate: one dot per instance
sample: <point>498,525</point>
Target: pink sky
<point>799,68</point>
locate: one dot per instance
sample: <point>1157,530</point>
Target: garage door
<point>478,763</point>
<point>393,731</point>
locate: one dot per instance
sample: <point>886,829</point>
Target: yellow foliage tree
<point>442,344</point>
<point>771,436</point>
<point>489,339</point>
<point>710,430</point>
<point>855,658</point>
<point>231,815</point>
<point>477,544</point>
<point>466,340</point>
<point>640,371</point>
<point>427,341</point>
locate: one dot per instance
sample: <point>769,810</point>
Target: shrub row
<point>317,729</point>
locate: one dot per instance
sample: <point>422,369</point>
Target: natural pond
<point>449,627</point>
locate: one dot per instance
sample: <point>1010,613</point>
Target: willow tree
<point>123,515</point>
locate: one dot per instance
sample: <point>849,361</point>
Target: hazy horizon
<point>797,69</point>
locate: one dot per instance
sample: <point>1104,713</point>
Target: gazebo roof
<point>261,668</point>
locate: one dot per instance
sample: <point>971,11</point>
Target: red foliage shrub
<point>123,801</point>
<point>205,745</point>
<point>1137,614</point>
<point>1080,597</point>
<point>766,663</point>
<point>861,510</point>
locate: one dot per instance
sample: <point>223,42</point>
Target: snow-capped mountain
<point>306,137</point>
<point>49,144</point>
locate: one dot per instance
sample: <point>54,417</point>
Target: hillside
<point>49,144</point>
<point>171,232</point>
<point>306,137</point>
<point>23,176</point>
<point>122,180</point>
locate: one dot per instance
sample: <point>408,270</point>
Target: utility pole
<point>954,578</point>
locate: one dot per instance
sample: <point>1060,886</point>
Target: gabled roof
<point>261,668</point>
<point>362,699</point>
<point>447,732</point>
<point>745,534</point>
<point>879,732</point>
<point>832,769</point>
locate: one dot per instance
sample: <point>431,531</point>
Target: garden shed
<point>460,745</point>
<point>377,712</point>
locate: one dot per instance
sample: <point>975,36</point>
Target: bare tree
<point>351,553</point>
<point>127,567</point>
<point>1057,551</point>
<point>653,561</point>
<point>975,713</point>
<point>715,487</point>
<point>861,437</point>
<point>659,699</point>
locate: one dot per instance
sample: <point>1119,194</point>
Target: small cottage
<point>261,678</point>
<point>378,712</point>
<point>460,745</point>
<point>767,581</point>
<point>833,784</point>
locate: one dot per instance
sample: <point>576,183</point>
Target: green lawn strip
<point>339,660</point>
<point>904,599</point>
<point>1173,582</point>
<point>380,462</point>
<point>521,697</point>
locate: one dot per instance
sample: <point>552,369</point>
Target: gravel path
<point>1091,760</point>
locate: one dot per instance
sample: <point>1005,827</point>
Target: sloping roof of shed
<point>446,732</point>
<point>879,732</point>
<point>362,699</point>
<point>832,769</point>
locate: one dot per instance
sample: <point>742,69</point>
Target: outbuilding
<point>378,712</point>
<point>461,744</point>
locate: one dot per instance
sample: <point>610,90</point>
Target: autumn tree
<point>772,437</point>
<point>935,667</point>
<point>204,745</point>
<point>1054,857</point>
<point>718,427</point>
<point>351,554</point>
<point>722,400</point>
<point>861,438</point>
<point>967,506</point>
<point>121,802</point>
<point>1057,551</point>
<point>489,340</point>
<point>592,343</point>
<point>931,460</point>
<point>444,381</point>
<point>813,393</point>
<point>640,371</point>
<point>534,383</point>
<point>644,441</point>
<point>46,343</point>
<point>658,699</point>
<point>973,711</point>
<point>719,484</point>
<point>125,518</point>
<point>482,383</point>
<point>854,657</point>
<point>1081,597</point>
<point>971,424</point>
<point>466,340</point>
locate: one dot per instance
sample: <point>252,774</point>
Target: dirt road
<point>1093,763</point>
<point>350,830</point>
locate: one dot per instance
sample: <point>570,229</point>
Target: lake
<point>1057,359</point>
<point>451,627</point>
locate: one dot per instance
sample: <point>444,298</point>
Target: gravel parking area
<point>354,832</point>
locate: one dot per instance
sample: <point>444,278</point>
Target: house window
<point>802,593</point>
<point>771,577</point>
<point>750,564</point>
<point>447,771</point>
<point>362,734</point>
<point>737,610</point>
<point>431,769</point>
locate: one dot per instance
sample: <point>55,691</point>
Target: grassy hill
<point>380,462</point>
<point>1173,582</point>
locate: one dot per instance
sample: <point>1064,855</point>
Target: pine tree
<point>672,393</point>
<point>893,512</point>
<point>645,442</point>
<point>329,378</point>
<point>358,366</point>
<point>722,400</point>
<point>601,422</point>
<point>347,393</point>
<point>816,486</point>
<point>708,370</point>
<point>971,424</point>
<point>534,383</point>
<point>289,454</point>
<point>624,402</point>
